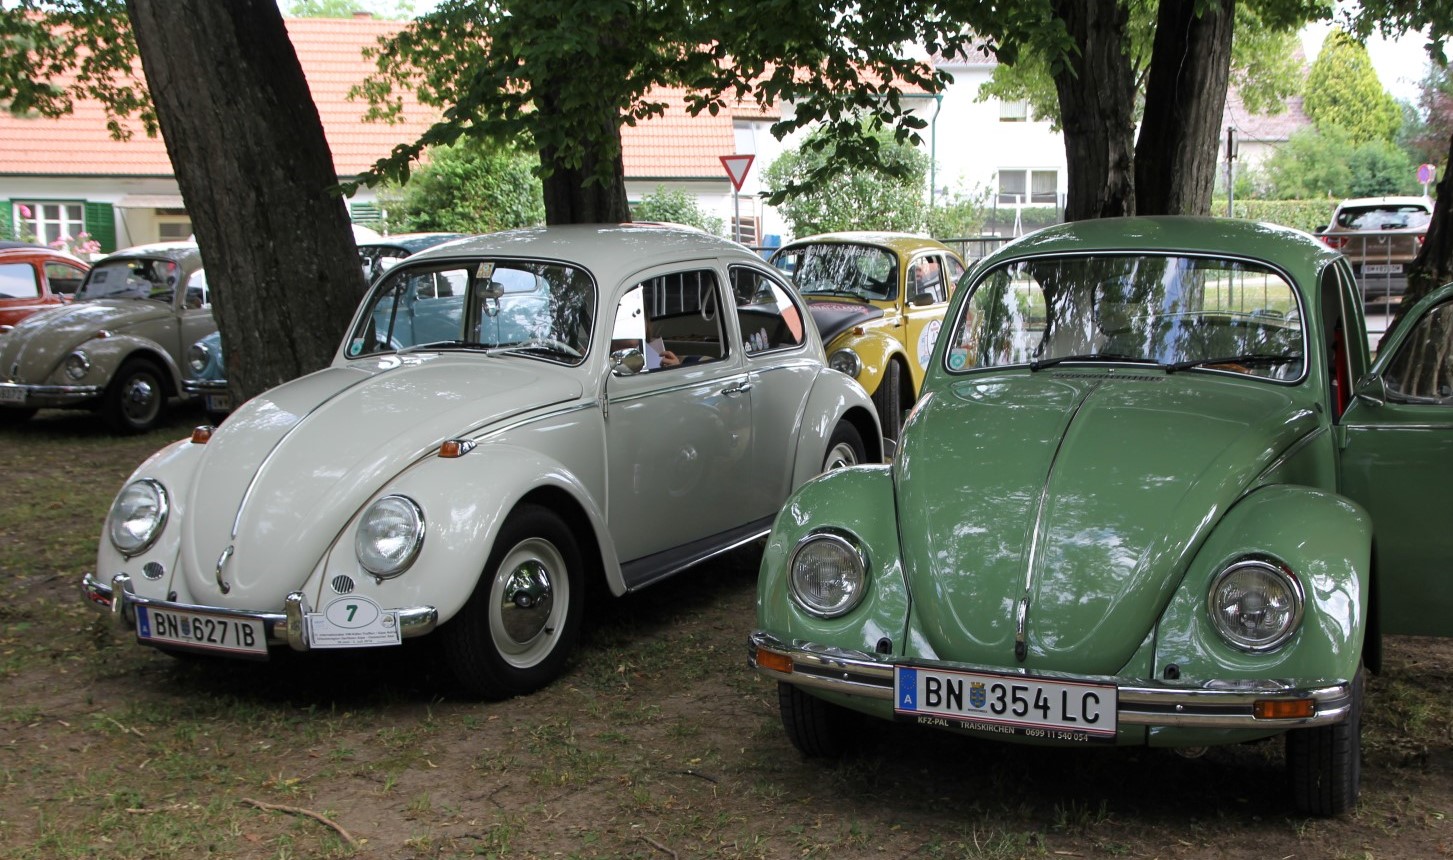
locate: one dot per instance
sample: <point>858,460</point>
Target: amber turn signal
<point>449,449</point>
<point>201,434</point>
<point>1272,709</point>
<point>776,662</point>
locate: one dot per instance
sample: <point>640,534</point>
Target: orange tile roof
<point>330,51</point>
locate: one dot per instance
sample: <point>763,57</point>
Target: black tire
<point>817,728</point>
<point>519,626</point>
<point>136,397</point>
<point>888,400</point>
<point>844,448</point>
<point>1325,763</point>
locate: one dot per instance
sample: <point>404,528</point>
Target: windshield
<point>835,269</point>
<point>1177,312</point>
<point>1384,218</point>
<point>132,279</point>
<point>538,309</point>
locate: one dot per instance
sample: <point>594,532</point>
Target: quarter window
<point>768,316</point>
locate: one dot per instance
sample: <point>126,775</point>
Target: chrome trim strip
<point>288,627</point>
<point>56,390</point>
<point>1021,610</point>
<point>203,386</point>
<point>1211,705</point>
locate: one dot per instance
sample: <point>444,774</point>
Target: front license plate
<point>12,394</point>
<point>1006,704</point>
<point>1382,268</point>
<point>200,630</point>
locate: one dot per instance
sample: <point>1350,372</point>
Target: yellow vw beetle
<point>878,300</point>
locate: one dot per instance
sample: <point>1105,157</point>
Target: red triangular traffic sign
<point>737,167</point>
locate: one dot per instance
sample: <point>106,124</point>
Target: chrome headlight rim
<point>385,565</point>
<point>199,357</point>
<point>77,365</point>
<point>846,360</point>
<point>147,537</point>
<point>856,553</point>
<point>1275,571</point>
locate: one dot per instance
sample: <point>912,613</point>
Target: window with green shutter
<point>101,224</point>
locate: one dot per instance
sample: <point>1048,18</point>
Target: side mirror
<point>627,362</point>
<point>1371,389</point>
<point>920,300</point>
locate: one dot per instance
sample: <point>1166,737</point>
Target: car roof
<point>1372,202</point>
<point>903,243</point>
<point>186,253</point>
<point>23,250</point>
<point>412,242</point>
<point>611,251</point>
<point>1233,237</point>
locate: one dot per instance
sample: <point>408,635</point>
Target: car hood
<point>41,340</point>
<point>1085,493</point>
<point>289,469</point>
<point>835,316</point>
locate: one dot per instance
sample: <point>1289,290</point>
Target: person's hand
<point>669,359</point>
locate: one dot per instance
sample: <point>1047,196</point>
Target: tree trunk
<point>1185,97</point>
<point>1096,90</point>
<point>254,168</point>
<point>1434,264</point>
<point>573,194</point>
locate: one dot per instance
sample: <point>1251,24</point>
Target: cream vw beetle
<point>509,418</point>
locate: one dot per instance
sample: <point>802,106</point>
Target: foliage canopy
<point>861,199</point>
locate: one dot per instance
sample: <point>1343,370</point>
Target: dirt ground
<point>658,743</point>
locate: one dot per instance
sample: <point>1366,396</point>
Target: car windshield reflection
<point>837,269</point>
<point>131,279</point>
<point>526,308</point>
<point>1180,313</point>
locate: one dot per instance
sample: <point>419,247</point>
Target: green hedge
<point>1302,214</point>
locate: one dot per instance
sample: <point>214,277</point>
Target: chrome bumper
<point>42,396</point>
<point>1209,705</point>
<point>204,386</point>
<point>288,627</point>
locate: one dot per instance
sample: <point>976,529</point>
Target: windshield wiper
<point>437,344</point>
<point>1090,356</point>
<point>1253,358</point>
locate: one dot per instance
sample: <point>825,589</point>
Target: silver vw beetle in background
<point>509,418</point>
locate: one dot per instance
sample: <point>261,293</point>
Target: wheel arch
<point>582,527</point>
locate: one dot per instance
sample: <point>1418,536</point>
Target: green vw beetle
<point>1155,494</point>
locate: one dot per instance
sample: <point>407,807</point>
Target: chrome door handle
<point>739,388</point>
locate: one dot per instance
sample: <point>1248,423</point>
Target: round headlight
<point>137,517</point>
<point>845,361</point>
<point>1256,605</point>
<point>828,574</point>
<point>77,364</point>
<point>198,357</point>
<point>389,536</point>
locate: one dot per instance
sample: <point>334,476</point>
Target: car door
<point>1397,462</point>
<point>678,432</point>
<point>781,371</point>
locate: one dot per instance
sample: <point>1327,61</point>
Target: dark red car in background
<point>33,277</point>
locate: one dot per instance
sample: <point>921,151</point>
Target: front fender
<point>875,348</point>
<point>834,397</point>
<point>1325,540</point>
<point>465,502</point>
<point>109,353</point>
<point>856,502</point>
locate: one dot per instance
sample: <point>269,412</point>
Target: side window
<point>64,280</point>
<point>673,319</point>
<point>1422,370</point>
<point>925,281</point>
<point>955,273</point>
<point>17,281</point>
<point>198,296</point>
<point>769,317</point>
